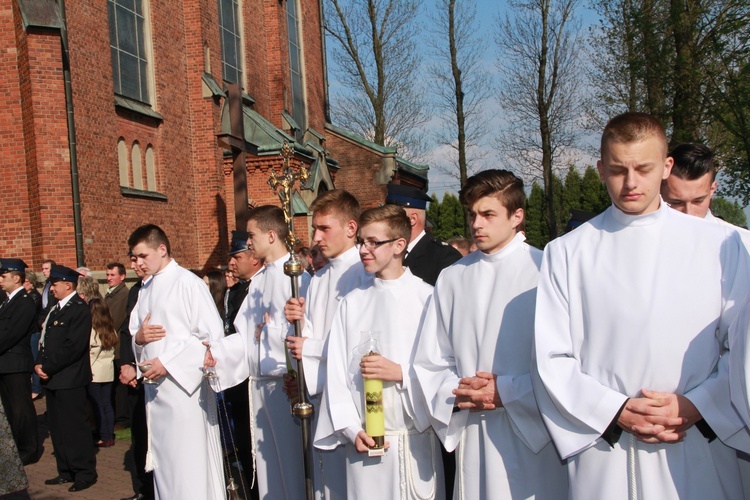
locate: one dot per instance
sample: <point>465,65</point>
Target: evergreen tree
<point>447,217</point>
<point>535,224</point>
<point>577,192</point>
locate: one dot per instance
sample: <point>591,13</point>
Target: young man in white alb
<point>391,304</point>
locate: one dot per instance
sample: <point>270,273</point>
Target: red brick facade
<point>190,192</point>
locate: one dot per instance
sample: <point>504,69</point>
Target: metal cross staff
<point>294,267</point>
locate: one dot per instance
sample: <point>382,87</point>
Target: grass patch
<point>123,434</point>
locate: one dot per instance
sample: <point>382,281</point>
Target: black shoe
<point>82,485</point>
<point>58,480</point>
<point>137,496</point>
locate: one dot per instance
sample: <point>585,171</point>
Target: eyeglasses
<point>372,245</point>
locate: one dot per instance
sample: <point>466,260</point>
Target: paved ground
<point>112,464</point>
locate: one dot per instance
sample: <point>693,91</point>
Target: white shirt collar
<point>414,242</point>
<point>64,301</point>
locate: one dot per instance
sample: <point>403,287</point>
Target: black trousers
<point>15,393</point>
<point>123,399</point>
<point>67,410</point>
<point>139,443</point>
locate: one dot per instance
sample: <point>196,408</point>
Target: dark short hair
<point>150,234</point>
<point>270,218</point>
<point>395,219</point>
<point>632,127</point>
<point>692,161</point>
<point>120,267</point>
<point>49,261</point>
<point>502,184</point>
<point>20,274</point>
<point>338,202</point>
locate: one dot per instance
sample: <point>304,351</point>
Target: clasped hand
<point>478,393</point>
<point>658,417</point>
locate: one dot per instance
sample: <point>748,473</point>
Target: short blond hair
<point>632,127</point>
<point>393,216</point>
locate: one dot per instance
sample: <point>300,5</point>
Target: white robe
<point>640,302</point>
<point>481,318</point>
<point>184,444</point>
<point>412,466</point>
<point>744,233</point>
<point>327,287</point>
<point>277,439</point>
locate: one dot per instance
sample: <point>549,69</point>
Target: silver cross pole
<point>283,186</point>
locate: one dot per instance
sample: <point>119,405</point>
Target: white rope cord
<point>322,476</point>
<point>405,467</point>
<point>632,485</point>
<point>459,466</point>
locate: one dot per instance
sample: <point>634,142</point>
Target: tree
<point>447,217</point>
<point>686,62</point>
<point>463,85</point>
<point>730,211</point>
<point>578,192</point>
<point>630,59</point>
<point>378,64</point>
<point>539,70</point>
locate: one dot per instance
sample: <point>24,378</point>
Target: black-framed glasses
<point>372,245</point>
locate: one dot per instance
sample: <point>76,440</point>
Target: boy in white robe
<point>334,223</point>
<point>692,184</point>
<point>632,314</point>
<point>689,189</point>
<point>391,304</point>
<point>258,351</point>
<point>174,315</point>
<point>474,354</point>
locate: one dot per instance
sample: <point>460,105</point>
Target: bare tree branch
<point>378,63</point>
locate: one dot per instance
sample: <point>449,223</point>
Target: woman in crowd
<point>217,283</point>
<point>102,355</point>
<point>30,285</point>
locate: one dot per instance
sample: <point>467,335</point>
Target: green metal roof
<point>299,207</point>
<point>415,169</point>
<point>263,134</point>
<point>213,85</point>
<point>361,140</point>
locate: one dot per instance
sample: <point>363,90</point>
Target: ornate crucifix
<point>283,186</point>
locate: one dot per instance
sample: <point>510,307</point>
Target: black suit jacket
<point>430,256</point>
<point>126,350</point>
<point>65,354</point>
<point>17,322</point>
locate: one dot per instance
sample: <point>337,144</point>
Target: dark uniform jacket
<point>430,256</point>
<point>65,354</point>
<point>237,295</point>
<point>17,322</point>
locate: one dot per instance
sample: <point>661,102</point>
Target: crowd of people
<point>614,364</point>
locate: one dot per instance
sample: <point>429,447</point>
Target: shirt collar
<point>64,301</point>
<point>414,242</point>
